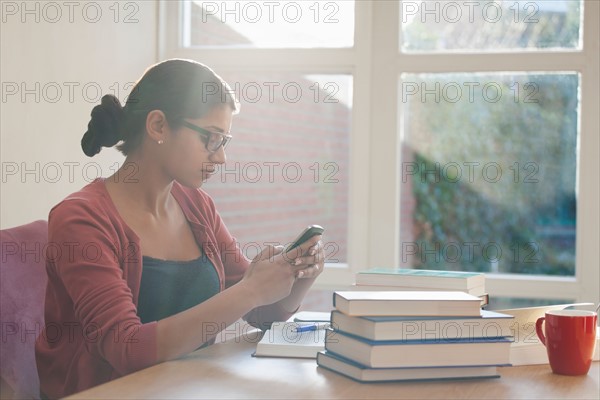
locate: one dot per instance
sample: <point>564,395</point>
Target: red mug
<point>570,340</point>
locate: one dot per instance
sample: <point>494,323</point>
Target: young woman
<point>142,269</point>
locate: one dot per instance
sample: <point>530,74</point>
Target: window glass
<point>269,24</point>
<point>489,172</point>
<point>430,26</point>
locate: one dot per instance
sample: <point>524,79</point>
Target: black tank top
<point>169,287</point>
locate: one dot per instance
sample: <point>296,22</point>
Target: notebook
<point>282,340</point>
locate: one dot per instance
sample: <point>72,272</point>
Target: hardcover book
<point>475,291</point>
<point>411,303</point>
<point>424,278</point>
<point>362,373</point>
<point>488,324</point>
<point>419,353</point>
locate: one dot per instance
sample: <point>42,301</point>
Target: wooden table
<point>227,370</point>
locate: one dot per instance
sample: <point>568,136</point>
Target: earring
<point>160,142</point>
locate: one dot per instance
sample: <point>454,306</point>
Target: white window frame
<point>375,62</point>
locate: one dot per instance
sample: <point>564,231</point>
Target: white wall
<point>50,52</point>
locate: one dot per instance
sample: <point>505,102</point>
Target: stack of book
<point>423,280</point>
<point>414,335</point>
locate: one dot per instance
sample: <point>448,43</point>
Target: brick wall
<point>278,135</point>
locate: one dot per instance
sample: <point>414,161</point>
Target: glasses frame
<point>225,138</point>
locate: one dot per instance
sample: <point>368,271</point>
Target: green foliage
<point>522,148</point>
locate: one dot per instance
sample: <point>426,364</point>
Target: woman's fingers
<point>310,266</point>
<point>314,255</point>
<point>311,272</point>
<point>267,253</point>
<point>303,249</point>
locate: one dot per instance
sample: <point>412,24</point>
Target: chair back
<point>23,281</point>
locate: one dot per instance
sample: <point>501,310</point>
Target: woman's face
<point>189,161</point>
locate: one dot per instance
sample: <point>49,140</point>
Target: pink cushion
<point>23,283</point>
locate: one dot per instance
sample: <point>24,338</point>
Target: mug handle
<point>539,331</point>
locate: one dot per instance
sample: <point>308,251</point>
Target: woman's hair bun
<point>105,126</point>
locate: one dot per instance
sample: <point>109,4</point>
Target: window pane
<point>488,172</point>
<point>429,26</point>
<point>269,24</point>
<point>287,165</point>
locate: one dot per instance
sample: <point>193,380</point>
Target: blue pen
<point>313,327</point>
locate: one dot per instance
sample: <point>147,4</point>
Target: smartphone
<point>306,234</point>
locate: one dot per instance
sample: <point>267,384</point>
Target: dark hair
<point>179,88</point>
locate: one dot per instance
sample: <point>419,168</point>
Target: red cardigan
<point>92,333</point>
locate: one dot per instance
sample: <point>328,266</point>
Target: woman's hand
<point>272,273</point>
<point>270,276</point>
<point>308,262</point>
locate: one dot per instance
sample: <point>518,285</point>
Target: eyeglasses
<point>212,140</point>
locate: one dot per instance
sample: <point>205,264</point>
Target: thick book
<point>412,303</point>
<point>421,353</point>
<point>282,340</point>
<point>488,324</point>
<point>362,373</point>
<point>475,291</point>
<point>424,278</point>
